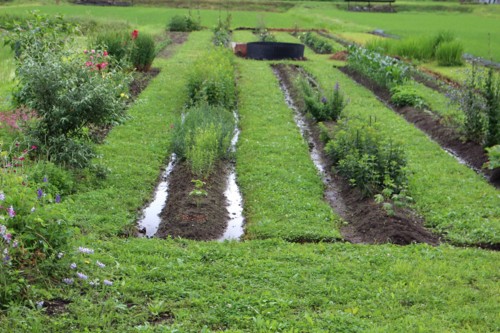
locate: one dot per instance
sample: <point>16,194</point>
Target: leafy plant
<point>385,71</point>
<point>198,192</point>
<point>370,162</point>
<point>491,91</point>
<point>116,43</point>
<point>493,157</point>
<point>407,95</point>
<point>322,106</point>
<point>222,32</point>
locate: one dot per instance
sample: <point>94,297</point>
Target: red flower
<point>135,34</point>
<point>34,147</point>
<point>105,53</point>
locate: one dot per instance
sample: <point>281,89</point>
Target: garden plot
<point>368,222</point>
<point>446,193</point>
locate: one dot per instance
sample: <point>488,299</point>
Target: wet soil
<point>471,153</point>
<point>341,55</point>
<point>184,216</point>
<point>367,221</point>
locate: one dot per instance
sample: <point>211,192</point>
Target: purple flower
<point>11,211</point>
<point>39,305</point>
<point>3,229</point>
<point>2,196</point>
<point>68,281</point>
<point>100,264</point>
<point>45,179</point>
<point>337,87</point>
<point>108,283</point>
<point>323,100</point>
<point>85,250</point>
<point>81,276</point>
<point>58,198</point>
<point>72,266</point>
<point>7,238</point>
<point>15,244</point>
<point>39,193</point>
<point>6,256</point>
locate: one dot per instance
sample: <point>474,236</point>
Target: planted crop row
<point>283,193</point>
<point>318,44</point>
<point>446,193</point>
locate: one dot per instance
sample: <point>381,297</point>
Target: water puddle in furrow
<point>233,196</point>
<point>151,215</point>
<point>332,192</point>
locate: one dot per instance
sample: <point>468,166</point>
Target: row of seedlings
<point>364,172</point>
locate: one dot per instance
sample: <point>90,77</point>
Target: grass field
<point>269,282</point>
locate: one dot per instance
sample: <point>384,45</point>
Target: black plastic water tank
<point>274,51</point>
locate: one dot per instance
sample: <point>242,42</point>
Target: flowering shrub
<point>69,92</point>
<point>385,71</point>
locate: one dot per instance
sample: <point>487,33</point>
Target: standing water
<point>332,192</point>
<point>151,217</point>
<point>234,200</point>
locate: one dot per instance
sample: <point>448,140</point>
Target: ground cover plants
<point>286,276</point>
<point>318,44</point>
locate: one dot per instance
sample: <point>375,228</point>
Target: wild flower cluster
<point>77,271</point>
<point>16,119</point>
<point>97,60</point>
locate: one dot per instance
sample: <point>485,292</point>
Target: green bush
<point>203,137</point>
<point>407,95</point>
<point>51,178</point>
<point>321,106</point>
<point>183,23</point>
<point>370,162</point>
<point>222,32</point>
<point>450,53</point>
<point>211,79</point>
<point>491,91</point>
<point>143,52</point>
<point>493,157</point>
<point>69,92</point>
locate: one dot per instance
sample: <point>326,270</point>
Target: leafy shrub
<point>449,53</point>
<point>491,91</point>
<point>367,160</point>
<point>39,34</point>
<point>264,35</point>
<point>203,137</point>
<point>143,52</point>
<point>183,23</point>
<point>212,81</point>
<point>385,71</point>
<point>322,107</point>
<point>51,179</point>
<point>407,95</point>
<point>493,157</point>
<point>69,92</point>
<point>319,45</point>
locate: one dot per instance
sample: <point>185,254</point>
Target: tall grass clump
<point>450,53</point>
<point>143,52</point>
<point>211,79</point>
<point>203,137</point>
<point>117,44</point>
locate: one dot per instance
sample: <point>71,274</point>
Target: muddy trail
<point>469,153</point>
<point>367,221</point>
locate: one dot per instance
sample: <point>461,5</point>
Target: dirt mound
<point>341,55</point>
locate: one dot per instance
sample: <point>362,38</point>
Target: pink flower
<point>34,147</point>
<point>135,34</point>
<point>86,51</point>
<point>88,63</point>
<point>93,51</point>
<point>105,53</point>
